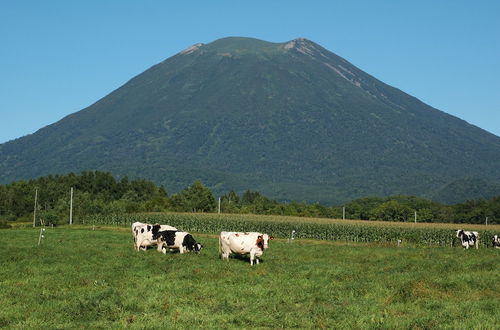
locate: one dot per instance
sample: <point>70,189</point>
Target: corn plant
<point>345,231</point>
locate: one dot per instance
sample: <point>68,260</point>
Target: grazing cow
<point>468,238</point>
<point>146,235</point>
<point>251,243</point>
<point>134,232</point>
<point>496,242</point>
<point>181,240</point>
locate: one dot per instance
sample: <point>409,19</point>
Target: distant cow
<point>181,240</point>
<point>251,243</point>
<point>468,238</point>
<point>496,242</point>
<point>147,235</point>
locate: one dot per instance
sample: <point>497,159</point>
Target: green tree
<point>392,211</point>
<point>230,202</point>
<point>195,198</point>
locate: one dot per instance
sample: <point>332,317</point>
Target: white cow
<point>468,238</point>
<point>180,240</point>
<point>147,235</point>
<point>242,243</point>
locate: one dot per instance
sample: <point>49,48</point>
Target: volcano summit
<point>291,120</point>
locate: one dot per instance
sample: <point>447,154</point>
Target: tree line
<point>101,193</point>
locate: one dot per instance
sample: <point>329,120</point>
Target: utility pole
<point>71,208</point>
<point>219,206</point>
<point>486,221</point>
<point>343,213</point>
<point>415,216</point>
<point>34,209</point>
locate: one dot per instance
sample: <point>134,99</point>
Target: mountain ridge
<point>242,113</point>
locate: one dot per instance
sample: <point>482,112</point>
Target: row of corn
<point>349,232</point>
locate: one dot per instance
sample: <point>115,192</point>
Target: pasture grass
<point>79,277</point>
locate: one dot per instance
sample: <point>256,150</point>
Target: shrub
<point>4,225</point>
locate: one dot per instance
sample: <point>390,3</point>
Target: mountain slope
<point>292,120</point>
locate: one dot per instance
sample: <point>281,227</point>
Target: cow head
<point>260,242</point>
<point>495,242</point>
<point>191,244</point>
<point>197,247</point>
<point>263,241</point>
<point>460,232</point>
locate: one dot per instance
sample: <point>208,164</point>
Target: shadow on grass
<point>243,257</point>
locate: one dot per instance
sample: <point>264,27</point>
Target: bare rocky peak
<point>304,46</point>
<point>191,49</point>
<point>309,48</point>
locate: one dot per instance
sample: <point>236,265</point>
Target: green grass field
<point>79,277</point>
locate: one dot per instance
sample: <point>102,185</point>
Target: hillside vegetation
<point>291,120</point>
<point>101,193</point>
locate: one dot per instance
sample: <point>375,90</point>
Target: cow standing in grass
<point>147,235</point>
<point>468,238</point>
<point>180,240</point>
<point>243,243</point>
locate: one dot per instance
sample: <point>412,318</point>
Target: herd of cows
<point>166,238</point>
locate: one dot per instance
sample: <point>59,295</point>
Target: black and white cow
<point>181,240</point>
<point>147,235</point>
<point>496,242</point>
<point>468,238</point>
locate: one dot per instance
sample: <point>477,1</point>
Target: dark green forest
<point>101,193</point>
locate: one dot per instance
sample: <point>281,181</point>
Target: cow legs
<point>224,254</point>
<point>139,245</point>
<point>252,257</point>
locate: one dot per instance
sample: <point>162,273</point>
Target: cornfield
<point>348,231</point>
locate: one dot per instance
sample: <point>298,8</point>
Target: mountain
<point>464,189</point>
<point>291,120</point>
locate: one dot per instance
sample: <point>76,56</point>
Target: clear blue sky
<point>58,57</point>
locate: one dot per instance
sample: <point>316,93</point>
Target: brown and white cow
<point>146,234</point>
<point>242,243</point>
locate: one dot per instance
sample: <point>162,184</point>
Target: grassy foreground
<point>85,278</point>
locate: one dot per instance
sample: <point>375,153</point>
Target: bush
<point>4,225</point>
<point>11,217</point>
<point>51,217</point>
